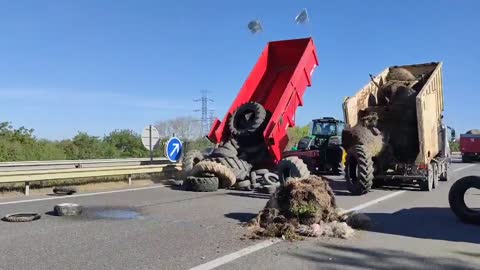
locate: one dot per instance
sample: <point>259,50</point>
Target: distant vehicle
<point>322,151</point>
<point>470,145</point>
<point>410,142</point>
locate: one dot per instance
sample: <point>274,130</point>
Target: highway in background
<point>161,227</point>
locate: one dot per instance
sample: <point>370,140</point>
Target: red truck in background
<point>470,145</point>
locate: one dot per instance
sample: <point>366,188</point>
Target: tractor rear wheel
<point>359,170</point>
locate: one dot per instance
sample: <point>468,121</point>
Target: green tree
<point>454,146</point>
<point>295,134</point>
<point>127,143</point>
<point>84,146</point>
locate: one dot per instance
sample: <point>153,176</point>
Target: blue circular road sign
<point>173,149</point>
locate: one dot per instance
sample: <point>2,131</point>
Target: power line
<point>205,118</point>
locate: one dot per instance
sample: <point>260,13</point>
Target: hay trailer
<point>257,121</point>
<point>414,150</point>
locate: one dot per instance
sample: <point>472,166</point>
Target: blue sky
<point>98,65</point>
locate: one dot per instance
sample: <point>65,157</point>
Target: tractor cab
<point>325,132</point>
<point>322,150</point>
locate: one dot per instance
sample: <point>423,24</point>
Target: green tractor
<point>322,151</point>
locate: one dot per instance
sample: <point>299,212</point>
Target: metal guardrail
<point>40,175</point>
<point>72,162</point>
<point>65,164</point>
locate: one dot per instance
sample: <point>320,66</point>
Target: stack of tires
<point>230,164</point>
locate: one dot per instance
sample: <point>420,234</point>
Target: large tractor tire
<point>239,167</point>
<point>359,170</point>
<point>225,175</point>
<point>223,151</point>
<point>292,167</point>
<point>201,184</point>
<point>336,158</point>
<point>429,184</point>
<point>457,200</point>
<point>248,119</point>
<point>190,160</point>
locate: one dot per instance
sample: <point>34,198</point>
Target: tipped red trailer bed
<point>277,82</point>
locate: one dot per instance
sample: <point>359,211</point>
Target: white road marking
<point>372,202</point>
<point>82,195</point>
<point>248,250</point>
<point>264,244</point>
<point>235,255</point>
<point>464,167</point>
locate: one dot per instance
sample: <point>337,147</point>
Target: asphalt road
<point>163,228</point>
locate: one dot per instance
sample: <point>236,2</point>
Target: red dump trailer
<point>277,82</point>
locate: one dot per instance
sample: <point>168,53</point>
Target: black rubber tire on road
<point>292,167</point>
<point>359,171</point>
<point>201,184</point>
<point>21,217</point>
<point>253,177</point>
<point>190,159</point>
<point>228,145</point>
<point>64,190</point>
<point>243,185</point>
<point>466,159</point>
<point>67,209</point>
<point>225,175</point>
<point>223,152</point>
<point>239,167</point>
<point>261,171</point>
<point>457,201</point>
<point>271,178</point>
<point>248,119</point>
<point>428,184</point>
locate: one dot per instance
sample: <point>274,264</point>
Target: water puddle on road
<point>112,213</point>
<point>118,214</point>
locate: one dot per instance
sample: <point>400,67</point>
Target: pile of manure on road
<point>302,207</point>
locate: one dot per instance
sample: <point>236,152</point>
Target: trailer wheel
<point>466,159</point>
<point>201,184</point>
<point>359,170</point>
<point>225,175</point>
<point>436,176</point>
<point>248,119</point>
<point>447,174</point>
<point>190,159</point>
<point>457,201</point>
<point>428,184</point>
<point>292,167</point>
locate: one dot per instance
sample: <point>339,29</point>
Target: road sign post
<point>173,149</point>
<point>150,138</point>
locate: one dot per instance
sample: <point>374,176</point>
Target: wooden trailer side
<point>429,105</point>
<point>352,105</point>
